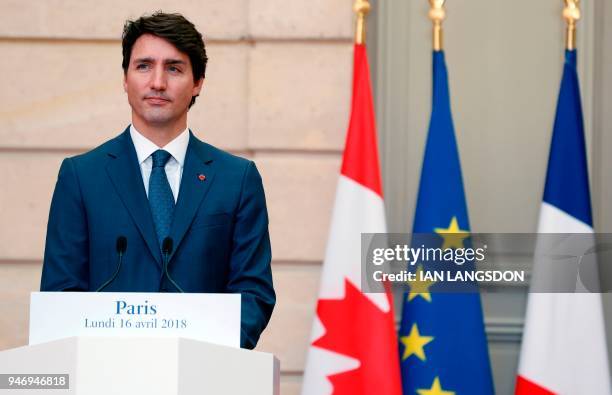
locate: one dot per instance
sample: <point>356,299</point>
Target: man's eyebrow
<point>144,60</point>
<point>152,60</point>
<point>174,61</point>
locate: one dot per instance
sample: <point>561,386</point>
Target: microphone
<point>120,246</point>
<point>167,245</point>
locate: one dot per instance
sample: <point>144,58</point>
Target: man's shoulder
<point>112,147</point>
<point>222,158</point>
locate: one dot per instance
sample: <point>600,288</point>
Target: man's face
<point>159,82</point>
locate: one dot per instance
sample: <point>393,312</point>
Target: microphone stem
<point>110,280</point>
<point>166,259</point>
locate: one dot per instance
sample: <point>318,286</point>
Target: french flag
<point>564,344</point>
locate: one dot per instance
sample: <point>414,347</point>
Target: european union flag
<point>443,346</point>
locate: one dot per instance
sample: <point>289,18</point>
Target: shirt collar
<point>145,147</point>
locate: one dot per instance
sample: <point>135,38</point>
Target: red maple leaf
<point>357,328</point>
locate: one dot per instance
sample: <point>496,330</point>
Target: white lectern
<point>152,366</point>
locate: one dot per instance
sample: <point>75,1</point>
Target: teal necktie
<point>161,199</point>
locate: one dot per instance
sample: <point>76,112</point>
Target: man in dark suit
<point>172,197</point>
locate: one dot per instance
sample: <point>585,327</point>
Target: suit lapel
<point>198,176</point>
<point>124,172</point>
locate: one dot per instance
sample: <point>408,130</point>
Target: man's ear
<point>197,88</point>
<point>125,82</point>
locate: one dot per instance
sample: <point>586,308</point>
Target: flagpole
<point>361,8</point>
<point>437,13</point>
<point>571,14</point>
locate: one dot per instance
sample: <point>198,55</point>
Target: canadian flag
<point>354,347</point>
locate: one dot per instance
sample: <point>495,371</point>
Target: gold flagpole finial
<point>437,13</point>
<point>571,14</point>
<point>362,8</point>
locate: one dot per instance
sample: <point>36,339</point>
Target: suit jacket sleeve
<point>65,266</point>
<point>250,272</point>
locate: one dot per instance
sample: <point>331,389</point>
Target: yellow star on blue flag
<point>436,389</point>
<point>414,343</point>
<point>453,236</point>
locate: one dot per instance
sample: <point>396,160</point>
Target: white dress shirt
<point>174,167</point>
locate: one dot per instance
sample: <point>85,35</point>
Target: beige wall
<point>277,91</point>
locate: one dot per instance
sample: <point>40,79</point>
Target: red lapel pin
<point>201,177</point>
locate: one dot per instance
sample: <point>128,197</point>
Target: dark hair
<point>174,28</point>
